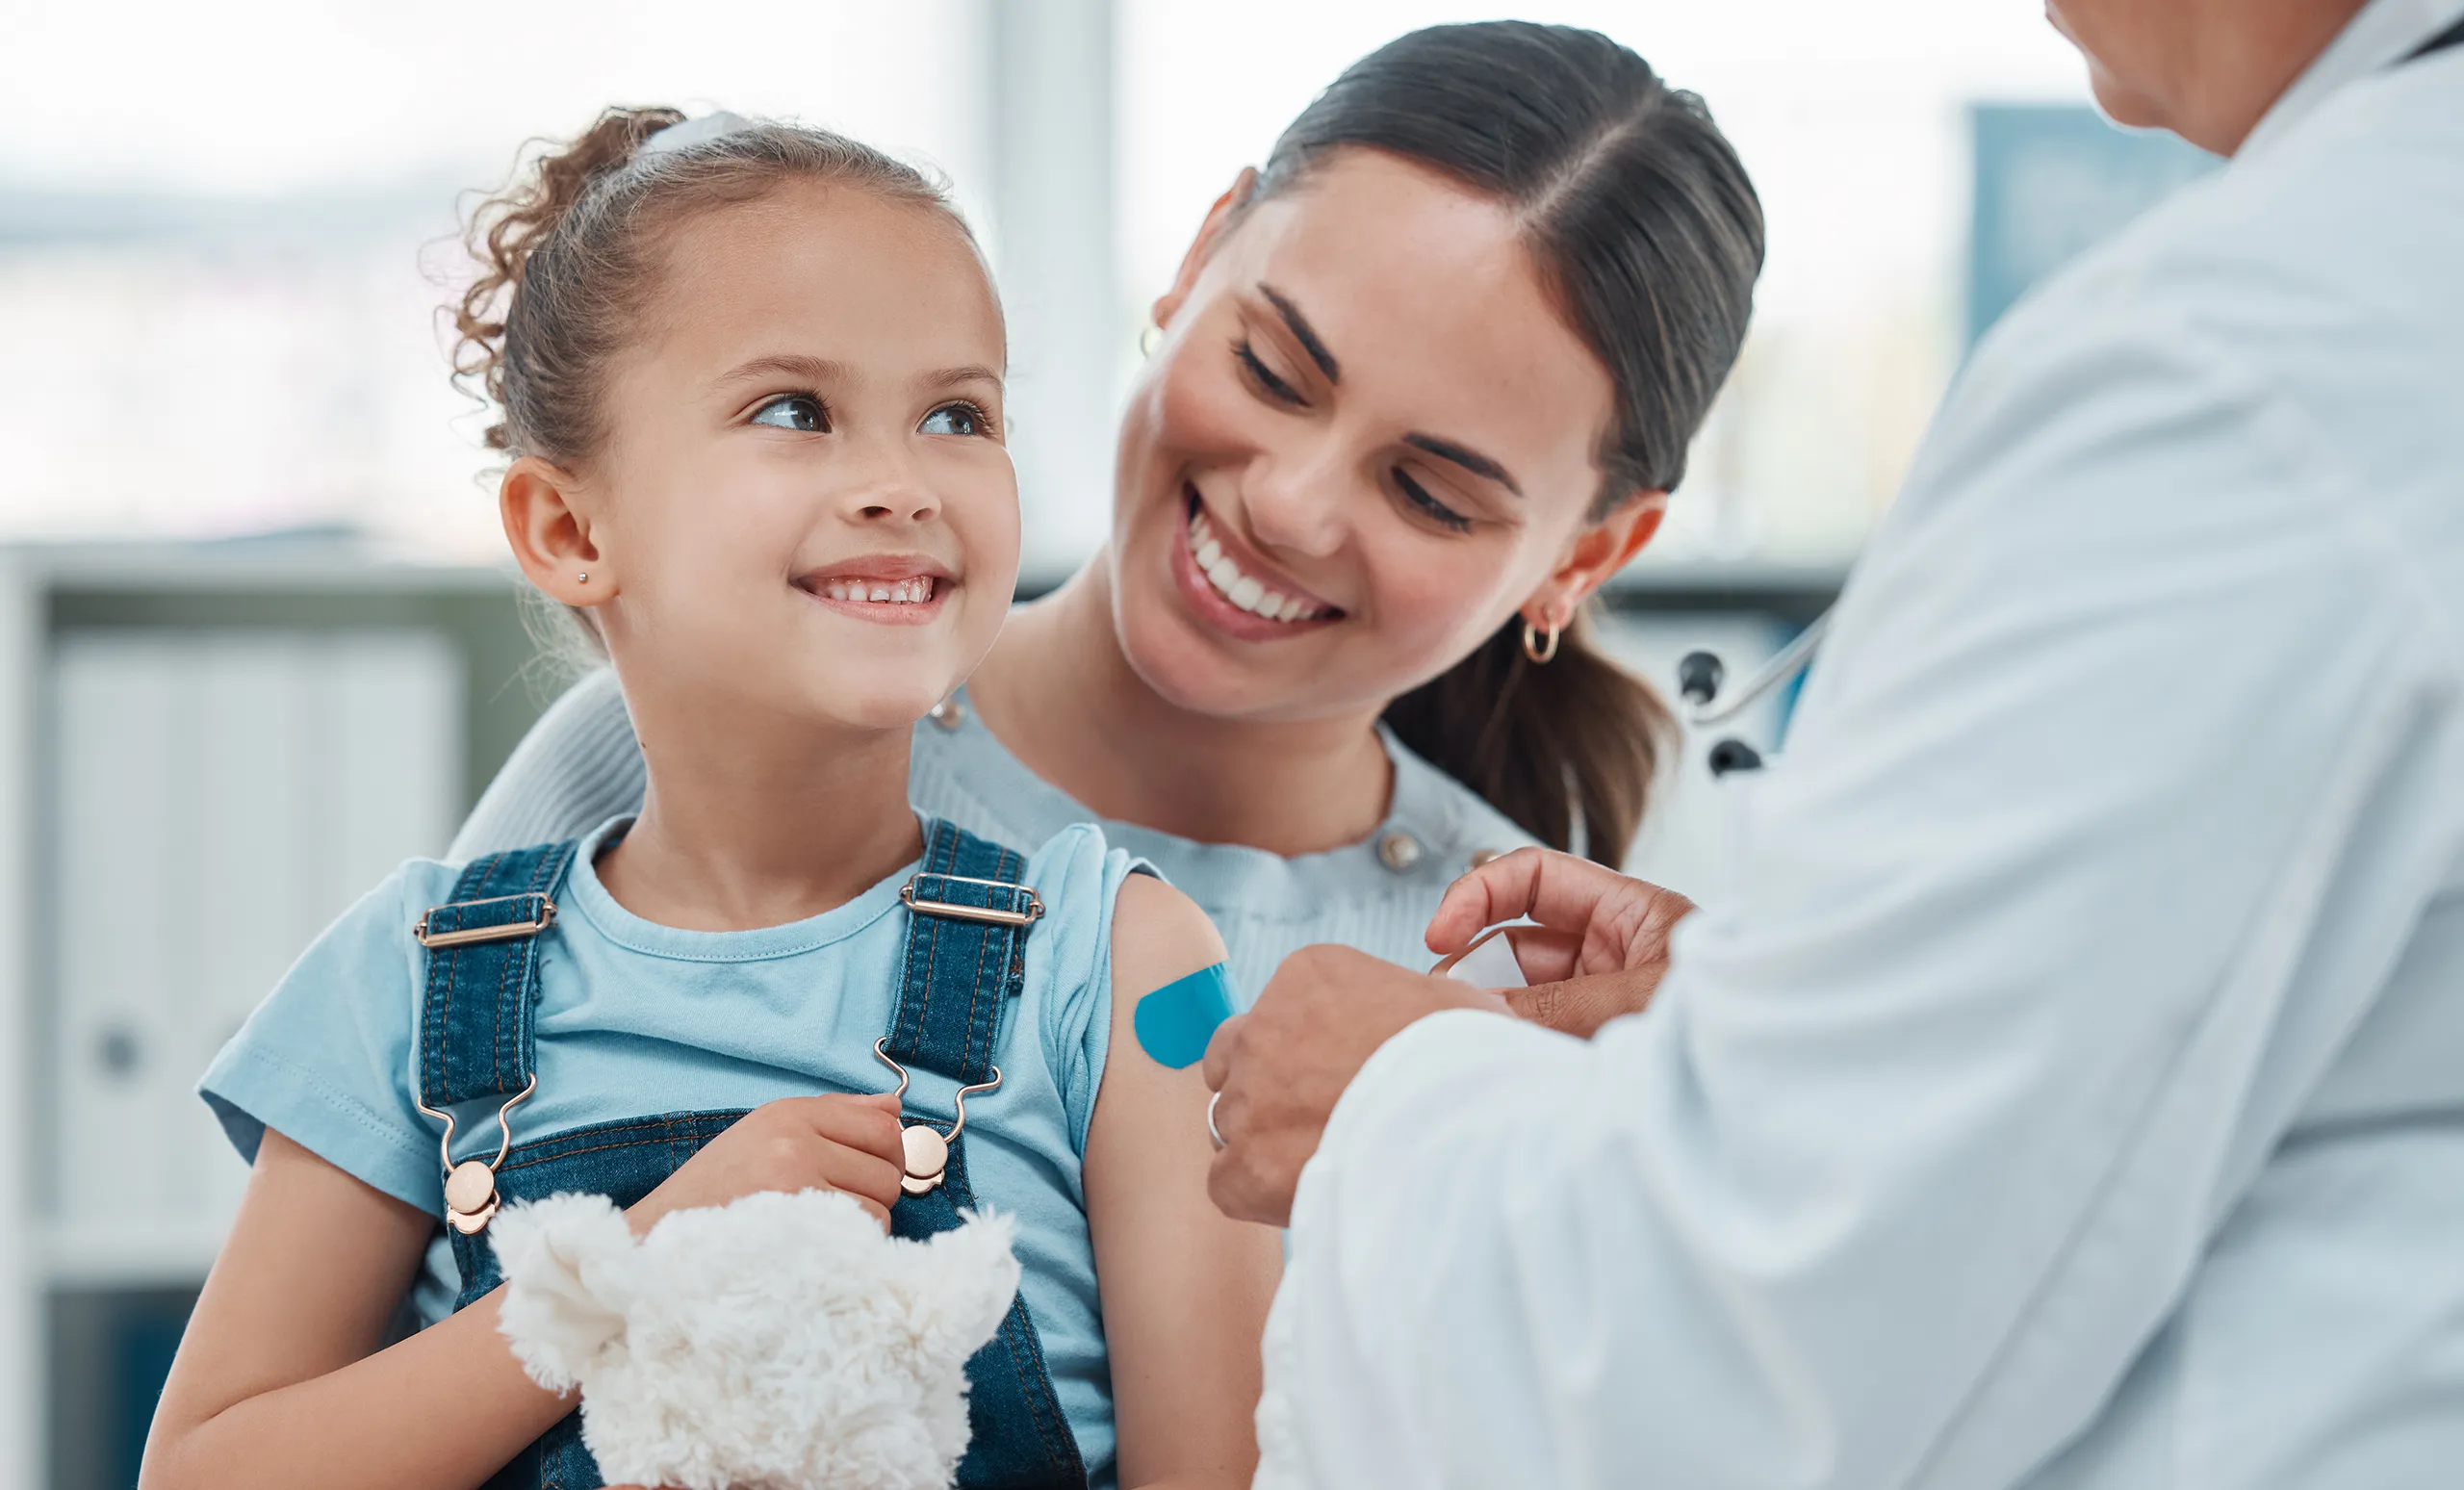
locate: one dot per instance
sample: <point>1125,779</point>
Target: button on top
<point>949,713</point>
<point>1399,851</point>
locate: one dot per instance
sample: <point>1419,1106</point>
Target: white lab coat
<point>2071,1094</point>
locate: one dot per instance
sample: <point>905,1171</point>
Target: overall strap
<point>477,1018</point>
<point>966,952</point>
<point>966,944</point>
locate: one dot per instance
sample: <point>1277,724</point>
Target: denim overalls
<point>476,1042</point>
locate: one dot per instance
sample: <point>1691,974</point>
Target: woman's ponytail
<point>1576,739</point>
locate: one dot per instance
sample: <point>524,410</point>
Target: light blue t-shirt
<point>637,1019</point>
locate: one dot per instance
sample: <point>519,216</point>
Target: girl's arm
<point>279,1381</point>
<point>1184,1290</point>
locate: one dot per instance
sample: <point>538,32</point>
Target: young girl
<point>751,384</point>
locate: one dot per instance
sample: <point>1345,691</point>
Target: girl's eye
<point>956,419</point>
<point>1274,388</point>
<point>802,412</point>
<point>1429,506</point>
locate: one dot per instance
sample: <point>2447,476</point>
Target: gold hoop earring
<point>1149,338</point>
<point>1534,648</point>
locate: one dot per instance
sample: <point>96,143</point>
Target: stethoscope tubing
<point>1790,660</point>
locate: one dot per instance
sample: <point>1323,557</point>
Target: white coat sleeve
<point>1933,1115</point>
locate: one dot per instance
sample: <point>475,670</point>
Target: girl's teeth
<point>905,592</point>
<point>1208,553</point>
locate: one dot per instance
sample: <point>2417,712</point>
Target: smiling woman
<point>1423,385</point>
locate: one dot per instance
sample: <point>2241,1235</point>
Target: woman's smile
<point>1237,592</point>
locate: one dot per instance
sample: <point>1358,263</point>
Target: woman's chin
<point>1201,672</point>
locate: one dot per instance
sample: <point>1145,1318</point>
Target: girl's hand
<point>1605,931</point>
<point>843,1143</point>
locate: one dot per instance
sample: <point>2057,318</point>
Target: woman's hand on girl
<point>838,1142</point>
<point>1606,931</point>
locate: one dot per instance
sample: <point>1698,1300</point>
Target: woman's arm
<point>279,1381</point>
<point>1184,1290</point>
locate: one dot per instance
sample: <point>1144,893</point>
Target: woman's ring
<point>1212,1132</point>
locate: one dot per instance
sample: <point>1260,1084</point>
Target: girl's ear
<point>550,533</point>
<point>1595,554</point>
<point>1210,233</point>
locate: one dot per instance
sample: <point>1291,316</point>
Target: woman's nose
<point>1299,506</point>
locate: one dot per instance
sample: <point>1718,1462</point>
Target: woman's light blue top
<point>637,1018</point>
<point>580,764</point>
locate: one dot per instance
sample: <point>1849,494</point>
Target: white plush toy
<point>779,1343</point>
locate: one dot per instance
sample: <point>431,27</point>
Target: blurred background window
<point>223,230</point>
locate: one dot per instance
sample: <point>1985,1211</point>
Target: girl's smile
<point>891,589</point>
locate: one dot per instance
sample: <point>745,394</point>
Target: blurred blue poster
<point>2052,179</point>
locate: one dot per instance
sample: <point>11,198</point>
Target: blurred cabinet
<point>219,797</point>
<point>211,749</point>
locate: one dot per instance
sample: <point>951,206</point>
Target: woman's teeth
<point>1242,590</point>
<point>892,592</point>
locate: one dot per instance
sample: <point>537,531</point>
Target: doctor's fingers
<point>1235,1180</point>
<point>1255,1175</point>
<point>1217,1066</point>
<point>1580,1006</point>
<point>1622,922</point>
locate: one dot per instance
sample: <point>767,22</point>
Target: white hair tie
<point>685,134</point>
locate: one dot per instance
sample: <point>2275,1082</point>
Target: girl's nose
<point>892,491</point>
<point>910,504</point>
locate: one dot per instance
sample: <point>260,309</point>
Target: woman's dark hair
<point>1648,235</point>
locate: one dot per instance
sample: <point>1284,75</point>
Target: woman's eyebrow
<point>1303,332</point>
<point>1469,459</point>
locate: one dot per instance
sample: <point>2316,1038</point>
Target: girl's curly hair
<point>570,256</point>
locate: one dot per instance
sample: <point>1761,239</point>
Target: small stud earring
<point>583,577</point>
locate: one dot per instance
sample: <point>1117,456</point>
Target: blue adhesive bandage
<point>1176,1020</point>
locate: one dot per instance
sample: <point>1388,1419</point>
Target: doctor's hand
<point>1600,950</point>
<point>1278,1069</point>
